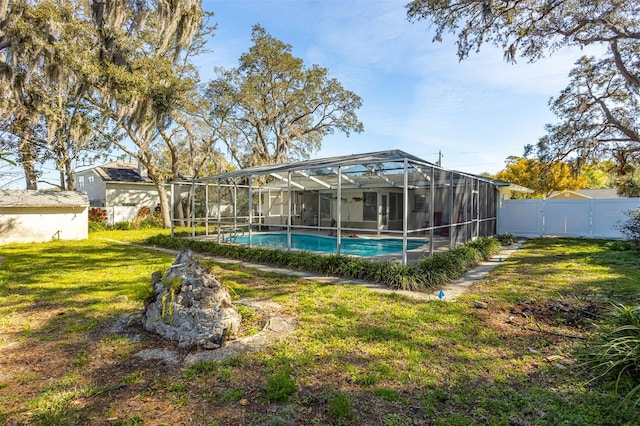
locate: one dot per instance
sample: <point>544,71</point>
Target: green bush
<point>429,273</point>
<point>97,226</point>
<point>149,223</point>
<point>614,353</point>
<point>340,408</point>
<point>280,386</point>
<point>505,239</point>
<point>631,227</point>
<point>619,245</point>
<point>488,246</point>
<point>122,226</point>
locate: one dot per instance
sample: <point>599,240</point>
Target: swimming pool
<point>354,246</point>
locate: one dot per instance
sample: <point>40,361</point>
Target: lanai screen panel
<point>390,191</point>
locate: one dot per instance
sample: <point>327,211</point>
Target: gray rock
<point>190,306</point>
<point>480,305</point>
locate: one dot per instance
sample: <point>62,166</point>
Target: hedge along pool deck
<point>448,292</point>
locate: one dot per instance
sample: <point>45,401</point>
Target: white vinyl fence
<point>117,214</point>
<point>567,217</point>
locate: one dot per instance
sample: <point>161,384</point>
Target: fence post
<point>543,221</point>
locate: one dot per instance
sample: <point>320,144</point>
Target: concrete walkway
<point>453,290</point>
<point>448,293</point>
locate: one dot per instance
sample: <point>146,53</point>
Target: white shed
<point>36,216</point>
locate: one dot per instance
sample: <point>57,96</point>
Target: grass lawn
<point>357,357</point>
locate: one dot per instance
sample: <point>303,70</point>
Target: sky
<point>417,96</point>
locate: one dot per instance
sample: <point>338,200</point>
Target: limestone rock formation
<point>190,306</point>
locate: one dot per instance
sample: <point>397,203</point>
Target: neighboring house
<point>38,216</point>
<point>121,187</point>
<point>599,194</point>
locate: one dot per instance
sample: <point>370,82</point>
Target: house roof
<point>366,170</point>
<point>121,171</point>
<point>602,193</point>
<point>42,198</point>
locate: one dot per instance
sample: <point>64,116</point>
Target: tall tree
<point>143,49</point>
<point>189,149</point>
<point>272,109</point>
<point>598,111</point>
<point>599,174</point>
<point>25,51</point>
<point>543,178</point>
<point>44,47</point>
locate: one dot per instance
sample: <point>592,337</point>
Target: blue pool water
<point>355,246</point>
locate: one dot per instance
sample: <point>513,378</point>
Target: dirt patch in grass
<point>118,385</point>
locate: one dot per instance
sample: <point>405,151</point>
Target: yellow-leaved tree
<point>543,178</point>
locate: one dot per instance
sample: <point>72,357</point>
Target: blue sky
<point>417,96</point>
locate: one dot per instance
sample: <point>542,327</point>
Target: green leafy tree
<point>27,57</point>
<point>543,178</point>
<point>146,76</point>
<point>629,185</point>
<point>190,150</point>
<point>273,109</point>
<point>43,57</point>
<point>598,110</point>
<point>599,174</point>
<point>598,114</point>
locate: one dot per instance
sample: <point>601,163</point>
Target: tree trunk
<point>178,211</point>
<point>27,159</point>
<point>164,202</point>
<point>68,174</point>
<point>159,182</point>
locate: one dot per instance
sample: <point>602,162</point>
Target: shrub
<point>619,245</point>
<point>404,277</point>
<point>631,227</point>
<point>97,214</point>
<point>445,267</point>
<point>143,213</point>
<point>340,408</point>
<point>280,386</point>
<point>489,246</point>
<point>97,226</point>
<point>614,352</point>
<point>430,272</point>
<point>505,239</point>
<point>151,222</point>
<point>146,219</point>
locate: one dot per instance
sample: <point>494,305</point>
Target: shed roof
<point>602,193</point>
<point>42,198</point>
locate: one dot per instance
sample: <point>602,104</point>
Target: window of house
<point>420,202</point>
<point>370,206</point>
<point>90,179</point>
<point>80,182</point>
<point>395,206</point>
